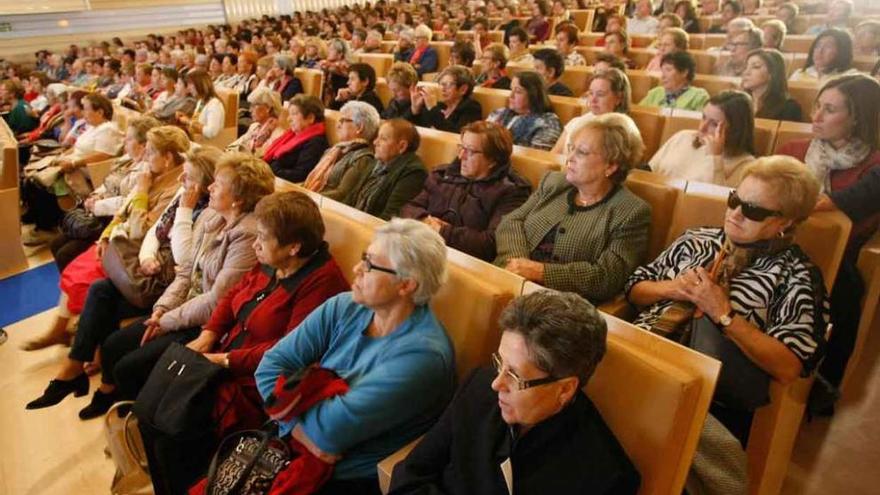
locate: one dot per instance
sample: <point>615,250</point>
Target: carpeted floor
<point>28,293</point>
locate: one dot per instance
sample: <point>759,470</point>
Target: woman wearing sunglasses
<point>527,412</point>
<point>749,278</point>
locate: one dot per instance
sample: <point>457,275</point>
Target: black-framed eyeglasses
<point>370,266</point>
<point>520,384</point>
<point>749,210</point>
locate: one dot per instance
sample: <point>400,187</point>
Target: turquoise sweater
<point>399,383</point>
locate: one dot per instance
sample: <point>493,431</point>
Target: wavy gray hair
<point>416,252</point>
<point>363,115</point>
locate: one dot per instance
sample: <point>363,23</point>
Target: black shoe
<point>99,406</point>
<point>59,389</point>
<point>823,396</point>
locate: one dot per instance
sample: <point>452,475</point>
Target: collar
<point>573,206</point>
<point>293,281</point>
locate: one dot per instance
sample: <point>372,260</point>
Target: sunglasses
<point>749,210</point>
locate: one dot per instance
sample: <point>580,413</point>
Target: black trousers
<point>846,309</point>
<point>65,250</point>
<point>104,308</point>
<point>127,364</point>
<point>177,462</point>
<point>42,206</point>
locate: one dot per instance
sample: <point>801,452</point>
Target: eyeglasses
<point>343,120</point>
<point>369,266</point>
<point>749,210</point>
<point>468,151</point>
<point>520,384</point>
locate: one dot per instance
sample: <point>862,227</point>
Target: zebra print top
<point>782,294</point>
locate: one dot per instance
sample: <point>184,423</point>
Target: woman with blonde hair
<point>265,107</point>
<point>401,79</point>
<point>670,40</point>
<point>609,91</point>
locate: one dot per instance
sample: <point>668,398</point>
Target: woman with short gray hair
<point>265,107</point>
<point>384,340</point>
<point>529,407</point>
<point>337,172</point>
<point>282,72</point>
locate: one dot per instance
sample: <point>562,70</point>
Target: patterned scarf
<point>166,221</point>
<point>317,179</point>
<point>262,135</point>
<point>822,158</point>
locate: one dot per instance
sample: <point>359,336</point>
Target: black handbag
<point>247,462</point>
<point>178,395</point>
<point>80,224</point>
<point>741,383</point>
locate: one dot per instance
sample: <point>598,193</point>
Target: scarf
<point>262,135</point>
<point>730,261</point>
<point>317,179</point>
<point>822,159</point>
<point>417,55</point>
<point>670,97</point>
<point>290,140</point>
<point>166,221</point>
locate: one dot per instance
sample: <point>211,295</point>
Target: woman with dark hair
<point>466,200</point>
<point>19,118</point>
<point>764,79</point>
<point>686,10</point>
<point>286,82</point>
<point>538,26</point>
<point>361,87</point>
<point>617,44</point>
<point>296,152</point>
<point>455,108</point>
<point>210,113</point>
<point>831,54</point>
<point>716,152</point>
<point>529,116</point>
<point>677,71</point>
<point>845,148</point>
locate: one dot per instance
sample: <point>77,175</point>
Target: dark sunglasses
<point>751,211</point>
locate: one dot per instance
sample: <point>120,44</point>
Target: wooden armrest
<point>619,307</point>
<point>387,465</point>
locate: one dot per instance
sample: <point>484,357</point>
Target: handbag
<point>178,394</point>
<point>122,266</point>
<point>250,467</point>
<point>126,449</point>
<point>741,383</point>
<point>78,223</point>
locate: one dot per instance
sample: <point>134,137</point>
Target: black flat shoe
<point>59,389</point>
<point>99,406</point>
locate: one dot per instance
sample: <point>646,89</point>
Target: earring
<point>781,234</point>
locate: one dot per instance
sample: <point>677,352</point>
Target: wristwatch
<point>726,319</point>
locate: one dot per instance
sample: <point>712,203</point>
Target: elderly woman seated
<point>179,101</point>
<point>361,87</point>
<point>466,200</point>
<point>456,107</point>
<point>265,107</point>
<point>385,342</point>
<point>402,79</point>
<point>424,57</point>
<point>532,407</point>
<point>296,152</point>
<point>718,150</point>
<point>529,116</point>
<point>670,40</point>
<point>294,274</point>
<point>749,280</point>
<point>493,60</point>
<point>582,230</point>
<point>677,71</point>
<point>396,177</point>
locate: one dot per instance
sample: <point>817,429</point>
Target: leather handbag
<point>179,393</point>
<point>123,268</point>
<point>247,462</point>
<point>80,224</point>
<point>741,383</point>
<point>126,449</point>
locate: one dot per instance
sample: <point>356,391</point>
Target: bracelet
<point>226,360</point>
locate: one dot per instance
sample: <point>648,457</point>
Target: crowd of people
<point>195,243</point>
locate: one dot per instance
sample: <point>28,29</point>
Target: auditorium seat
<point>99,170</point>
<point>804,93</point>
<point>797,43</point>
<point>229,133</point>
<point>312,81</point>
<point>566,107</point>
<point>715,84</point>
<point>123,115</point>
<point>583,19</point>
<point>381,62</point>
<point>641,82</point>
<point>331,121</point>
<point>764,138</point>
<point>437,148</point>
<point>532,164</point>
<point>854,379</point>
<point>443,50</point>
<point>792,131</point>
<point>12,257</point>
<point>649,120</point>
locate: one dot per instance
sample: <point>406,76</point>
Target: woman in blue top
<point>386,343</point>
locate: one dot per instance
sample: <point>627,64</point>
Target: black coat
<point>572,452</point>
<point>369,96</point>
<point>468,110</point>
<point>295,165</point>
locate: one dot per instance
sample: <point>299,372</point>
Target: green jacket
<point>382,191</point>
<point>693,99</point>
<point>596,248</point>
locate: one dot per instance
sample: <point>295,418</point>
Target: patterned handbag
<point>251,466</point>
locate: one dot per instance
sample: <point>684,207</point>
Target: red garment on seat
<point>78,276</point>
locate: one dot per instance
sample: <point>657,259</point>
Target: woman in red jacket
<point>845,147</point>
<point>295,274</point>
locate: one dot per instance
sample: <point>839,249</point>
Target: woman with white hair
<point>265,106</point>
<point>424,57</point>
<point>335,175</point>
<point>385,342</point>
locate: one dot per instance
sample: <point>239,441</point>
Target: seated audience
<point>296,152</point>
<point>686,10</point>
<point>830,55</point>
<point>775,32</point>
<point>401,78</point>
<point>642,22</point>
<point>566,41</point>
<point>210,113</point>
<point>838,16</point>
<point>550,65</point>
<point>180,101</point>
<point>384,341</point>
<point>455,108</point>
<point>336,67</point>
<point>718,151</point>
<point>788,13</point>
<point>509,22</point>
<point>361,87</point>
<point>52,117</point>
<point>518,42</point>
<point>265,108</point>
<point>294,275</point>
<point>492,63</point>
<point>677,71</point>
<point>582,230</point>
<point>730,10</point>
<point>462,53</point>
<point>538,26</point>
<point>404,49</point>
<point>424,57</point>
<point>285,81</point>
<point>529,115</point>
<point>609,91</point>
<point>466,200</point>
<point>740,45</point>
<point>764,79</point>
<point>533,398</point>
<point>670,40</point>
<point>844,148</point>
<point>617,44</point>
<point>867,39</point>
<point>731,276</point>
<point>397,176</point>
<point>352,157</point>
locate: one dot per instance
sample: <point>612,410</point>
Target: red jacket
<point>843,179</point>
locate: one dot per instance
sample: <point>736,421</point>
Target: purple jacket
<point>473,208</point>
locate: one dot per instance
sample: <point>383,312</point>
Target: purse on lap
<point>123,267</point>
